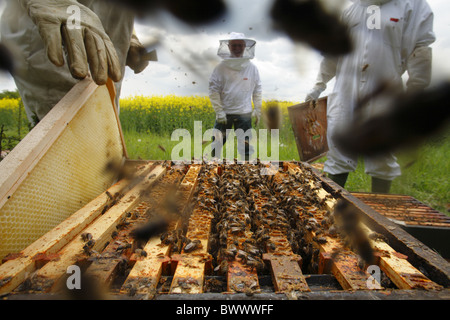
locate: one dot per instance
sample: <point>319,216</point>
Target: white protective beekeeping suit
<point>235,82</point>
<point>382,53</point>
<point>40,82</point>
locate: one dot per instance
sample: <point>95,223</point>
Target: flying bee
<point>153,227</point>
<point>410,119</point>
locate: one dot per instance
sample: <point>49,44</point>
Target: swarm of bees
<point>252,213</point>
<point>252,209</point>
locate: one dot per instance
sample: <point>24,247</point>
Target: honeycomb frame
<point>60,165</point>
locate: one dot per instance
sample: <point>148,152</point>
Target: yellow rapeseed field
<point>158,114</point>
<point>163,114</point>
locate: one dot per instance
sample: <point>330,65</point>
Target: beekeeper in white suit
<point>233,85</point>
<point>390,37</point>
<point>59,42</point>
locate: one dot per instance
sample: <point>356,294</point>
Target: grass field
<point>148,123</point>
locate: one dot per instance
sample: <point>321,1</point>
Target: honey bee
<point>255,263</point>
<point>87,248</point>
<point>123,246</point>
<point>237,229</point>
<point>332,231</point>
<point>168,238</point>
<point>320,240</point>
<point>222,268</point>
<point>271,246</point>
<point>140,253</point>
<point>242,255</point>
<point>193,245</point>
<point>228,254</point>
<point>132,290</point>
<point>85,236</point>
<point>251,249</point>
<point>109,195</point>
<point>122,224</point>
<point>378,237</point>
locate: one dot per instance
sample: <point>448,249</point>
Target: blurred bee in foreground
<point>193,12</point>
<point>307,21</point>
<point>410,118</point>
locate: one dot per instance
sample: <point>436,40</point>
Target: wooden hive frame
<point>60,165</point>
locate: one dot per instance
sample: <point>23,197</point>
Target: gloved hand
<point>257,102</point>
<point>221,116</point>
<point>257,115</point>
<point>85,44</point>
<point>326,72</point>
<point>314,94</point>
<point>419,69</point>
<point>135,56</point>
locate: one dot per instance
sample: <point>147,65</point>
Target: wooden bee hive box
<point>235,231</point>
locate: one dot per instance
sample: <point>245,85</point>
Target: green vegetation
<point>14,125</point>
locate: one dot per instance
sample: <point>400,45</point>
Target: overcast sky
<point>187,55</point>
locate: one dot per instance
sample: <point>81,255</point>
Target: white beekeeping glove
<point>419,69</point>
<point>221,116</point>
<point>86,42</point>
<point>326,73</point>
<point>257,102</point>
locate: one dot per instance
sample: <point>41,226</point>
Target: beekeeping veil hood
<point>230,59</point>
